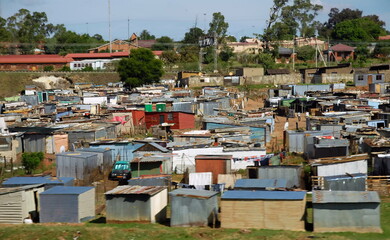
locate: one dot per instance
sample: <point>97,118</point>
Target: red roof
<point>342,48</point>
<point>387,37</point>
<point>97,55</point>
<point>53,58</point>
<point>157,53</point>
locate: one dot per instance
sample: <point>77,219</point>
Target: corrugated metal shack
<point>264,209</point>
<point>47,181</point>
<point>136,204</point>
<point>79,165</point>
<point>295,140</point>
<point>331,148</point>
<point>293,174</point>
<point>67,204</point>
<point>217,164</point>
<point>120,150</point>
<point>339,166</point>
<point>105,160</point>
<point>18,203</point>
<point>260,184</point>
<point>193,207</point>
<point>346,211</point>
<point>351,182</point>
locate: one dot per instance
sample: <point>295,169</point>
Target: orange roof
<point>387,37</point>
<point>53,58</point>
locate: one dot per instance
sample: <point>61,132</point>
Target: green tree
<point>65,41</point>
<point>242,39</point>
<point>218,26</point>
<point>382,50</point>
<point>231,38</point>
<point>189,53</point>
<point>163,43</point>
<point>141,67</point>
<point>29,29</point>
<point>193,35</point>
<point>265,59</point>
<point>170,57</point>
<point>31,161</point>
<point>226,53</point>
<point>145,35</point>
<point>274,16</point>
<point>362,29</point>
<point>306,53</point>
<point>300,16</point>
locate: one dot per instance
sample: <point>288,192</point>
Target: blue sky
<point>171,18</point>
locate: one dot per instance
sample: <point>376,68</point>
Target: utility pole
<point>293,55</point>
<point>128,28</point>
<point>109,24</point>
<point>215,52</point>
<point>316,52</point>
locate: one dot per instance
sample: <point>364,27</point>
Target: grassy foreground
<point>135,231</point>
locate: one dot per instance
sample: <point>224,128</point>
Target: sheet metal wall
<point>207,108</point>
<point>105,160</point>
<point>357,183</point>
<point>81,166</point>
<point>128,207</point>
<point>188,211</point>
<point>342,168</point>
<point>124,151</point>
<point>299,90</point>
<point>351,216</point>
<point>67,208</point>
<point>292,174</point>
<point>182,107</point>
<point>34,143</point>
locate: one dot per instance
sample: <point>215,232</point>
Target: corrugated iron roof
<point>64,190</point>
<point>214,157</point>
<point>149,190</point>
<point>261,183</point>
<point>192,193</point>
<point>264,195</point>
<point>17,189</point>
<point>345,197</point>
<point>36,180</point>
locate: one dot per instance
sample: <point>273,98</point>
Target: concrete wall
<point>196,81</point>
<point>14,82</point>
<point>273,79</point>
<point>337,78</point>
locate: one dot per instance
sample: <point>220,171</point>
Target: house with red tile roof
<point>340,52</point>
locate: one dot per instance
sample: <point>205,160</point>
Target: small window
<point>360,77</point>
<point>334,73</point>
<point>170,117</point>
<point>201,80</point>
<point>378,77</point>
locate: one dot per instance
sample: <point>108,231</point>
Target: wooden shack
<point>217,164</point>
<point>281,210</point>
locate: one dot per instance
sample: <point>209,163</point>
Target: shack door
<point>162,119</point>
<point>369,79</point>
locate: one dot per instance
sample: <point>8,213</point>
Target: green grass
<point>95,230</point>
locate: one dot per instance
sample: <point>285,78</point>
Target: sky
<point>171,18</point>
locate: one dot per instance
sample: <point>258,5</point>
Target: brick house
<point>32,62</point>
<point>340,52</point>
<point>181,120</point>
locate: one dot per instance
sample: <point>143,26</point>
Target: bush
<point>48,68</point>
<point>31,161</point>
